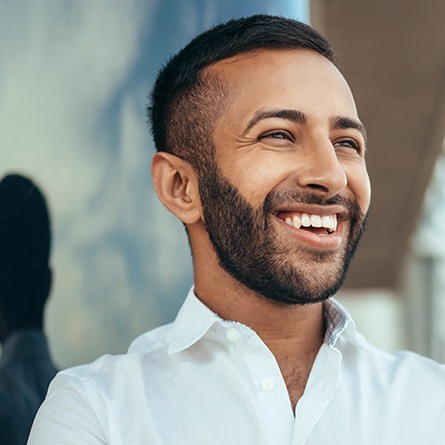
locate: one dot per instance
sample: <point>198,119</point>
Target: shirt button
<point>267,384</point>
<point>233,335</point>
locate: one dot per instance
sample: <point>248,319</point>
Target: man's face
<point>286,203</point>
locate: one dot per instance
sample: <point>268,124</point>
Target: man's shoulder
<point>109,369</point>
<point>400,367</point>
<point>151,341</point>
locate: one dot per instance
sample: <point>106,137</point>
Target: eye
<point>348,143</point>
<point>277,134</point>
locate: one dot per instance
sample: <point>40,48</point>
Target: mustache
<point>283,197</point>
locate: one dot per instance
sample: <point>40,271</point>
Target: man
<point>26,368</point>
<point>261,155</point>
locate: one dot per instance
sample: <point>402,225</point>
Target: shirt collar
<point>195,319</point>
<point>338,323</point>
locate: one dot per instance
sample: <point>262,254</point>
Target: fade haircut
<point>186,101</point>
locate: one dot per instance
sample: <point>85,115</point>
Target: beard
<point>249,249</point>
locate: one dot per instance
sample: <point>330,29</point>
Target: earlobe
<point>176,185</point>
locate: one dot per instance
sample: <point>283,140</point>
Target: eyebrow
<point>341,122</point>
<point>337,122</point>
<point>290,115</point>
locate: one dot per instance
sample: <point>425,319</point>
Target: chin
<point>316,282</point>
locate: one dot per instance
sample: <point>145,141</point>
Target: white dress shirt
<point>204,381</point>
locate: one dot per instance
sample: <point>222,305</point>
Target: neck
<point>281,326</point>
<point>293,333</point>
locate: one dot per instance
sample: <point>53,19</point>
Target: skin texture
<point>248,248</point>
<point>309,158</point>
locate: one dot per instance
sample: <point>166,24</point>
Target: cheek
<point>360,186</point>
<point>255,178</point>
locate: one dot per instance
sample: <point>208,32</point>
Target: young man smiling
<point>261,155</point>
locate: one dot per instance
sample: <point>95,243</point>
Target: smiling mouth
<point>318,224</point>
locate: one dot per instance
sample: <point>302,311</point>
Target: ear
<point>176,185</point>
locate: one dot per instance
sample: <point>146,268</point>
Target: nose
<point>320,170</point>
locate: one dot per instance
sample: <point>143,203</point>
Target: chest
<point>295,374</point>
<point>239,400</point>
<point>211,395</point>
<point>295,379</point>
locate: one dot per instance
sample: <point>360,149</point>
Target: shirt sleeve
<point>67,417</point>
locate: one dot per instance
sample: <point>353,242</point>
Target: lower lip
<point>329,242</point>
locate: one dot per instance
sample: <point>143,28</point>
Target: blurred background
<point>74,80</point>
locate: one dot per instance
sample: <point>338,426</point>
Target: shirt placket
<point>273,401</point>
<point>320,388</point>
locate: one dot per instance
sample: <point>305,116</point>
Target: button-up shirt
<point>205,381</point>
<point>26,370</point>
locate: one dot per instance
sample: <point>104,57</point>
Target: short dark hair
<point>25,243</point>
<point>185,103</point>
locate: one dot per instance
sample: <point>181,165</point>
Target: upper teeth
<point>303,219</point>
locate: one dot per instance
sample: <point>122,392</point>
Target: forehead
<point>284,79</point>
